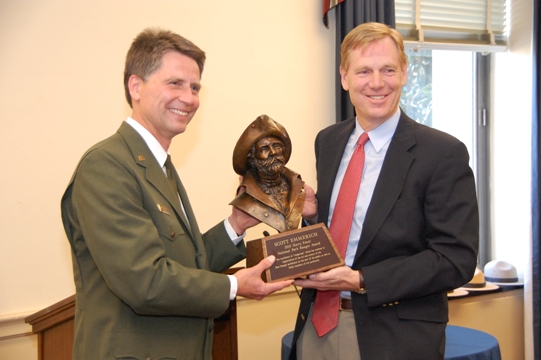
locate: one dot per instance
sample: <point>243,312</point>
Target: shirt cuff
<point>234,287</point>
<point>232,234</point>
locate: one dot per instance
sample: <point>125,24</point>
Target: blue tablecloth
<point>461,344</point>
<point>469,344</point>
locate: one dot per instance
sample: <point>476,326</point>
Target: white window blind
<point>475,22</point>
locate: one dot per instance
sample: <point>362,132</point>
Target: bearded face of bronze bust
<point>266,156</point>
<point>273,193</point>
<point>266,160</point>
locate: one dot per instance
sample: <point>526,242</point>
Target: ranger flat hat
<point>479,283</point>
<point>502,273</point>
<point>261,127</point>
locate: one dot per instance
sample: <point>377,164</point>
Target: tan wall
<point>15,340</point>
<point>499,314</point>
<point>261,325</point>
<point>61,91</point>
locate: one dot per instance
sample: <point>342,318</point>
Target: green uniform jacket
<point>147,283</point>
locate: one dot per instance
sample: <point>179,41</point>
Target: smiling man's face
<point>167,101</point>
<point>374,78</point>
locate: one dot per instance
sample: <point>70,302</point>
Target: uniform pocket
<point>167,225</point>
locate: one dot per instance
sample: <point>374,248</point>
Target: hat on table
<point>478,283</point>
<point>457,293</point>
<point>502,273</point>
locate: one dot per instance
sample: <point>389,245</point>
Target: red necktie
<point>327,304</point>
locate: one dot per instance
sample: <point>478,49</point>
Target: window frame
<point>480,156</point>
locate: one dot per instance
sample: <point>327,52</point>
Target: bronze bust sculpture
<point>273,193</point>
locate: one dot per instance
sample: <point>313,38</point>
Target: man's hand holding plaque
<point>278,197</point>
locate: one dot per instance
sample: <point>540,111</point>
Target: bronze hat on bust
<point>261,127</point>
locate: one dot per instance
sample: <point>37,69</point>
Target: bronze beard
<point>257,203</point>
<point>271,168</point>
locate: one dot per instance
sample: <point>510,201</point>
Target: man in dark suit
<point>148,283</point>
<point>414,231</point>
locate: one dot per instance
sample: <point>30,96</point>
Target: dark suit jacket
<point>419,239</point>
<point>146,282</point>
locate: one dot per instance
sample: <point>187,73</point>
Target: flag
<point>328,5</point>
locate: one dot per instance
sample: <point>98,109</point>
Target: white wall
<point>511,141</point>
<point>511,153</point>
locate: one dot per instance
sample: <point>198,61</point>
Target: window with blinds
<point>475,22</point>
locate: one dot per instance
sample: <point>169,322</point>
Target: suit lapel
<point>330,157</point>
<point>190,223</point>
<point>390,182</point>
<point>154,173</point>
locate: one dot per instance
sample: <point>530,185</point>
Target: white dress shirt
<point>375,150</point>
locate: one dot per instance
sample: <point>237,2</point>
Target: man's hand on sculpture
<point>309,211</point>
<point>251,285</point>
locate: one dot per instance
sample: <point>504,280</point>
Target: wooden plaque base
<point>298,253</point>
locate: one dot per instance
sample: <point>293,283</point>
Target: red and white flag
<point>328,5</point>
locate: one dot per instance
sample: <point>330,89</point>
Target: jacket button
<point>303,317</point>
<point>173,234</point>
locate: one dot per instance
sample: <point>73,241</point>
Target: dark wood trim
<point>7,337</point>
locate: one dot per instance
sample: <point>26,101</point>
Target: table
<point>461,344</point>
<point>469,344</point>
